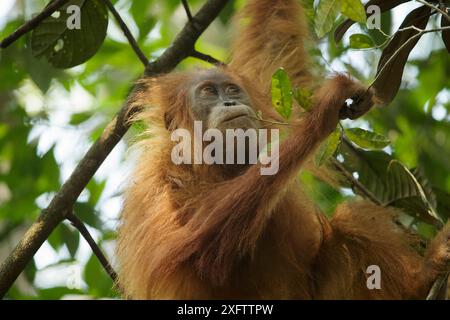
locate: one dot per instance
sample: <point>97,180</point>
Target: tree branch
<point>206,58</point>
<point>77,223</point>
<point>186,8</point>
<point>127,32</point>
<point>62,202</point>
<point>184,44</point>
<point>33,23</point>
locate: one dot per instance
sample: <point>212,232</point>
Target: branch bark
<point>62,203</point>
<point>184,44</point>
<point>206,58</point>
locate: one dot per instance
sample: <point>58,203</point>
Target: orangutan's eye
<point>232,89</point>
<point>208,91</point>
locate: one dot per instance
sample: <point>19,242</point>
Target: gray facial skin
<point>220,103</point>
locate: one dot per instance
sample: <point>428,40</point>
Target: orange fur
<point>194,232</point>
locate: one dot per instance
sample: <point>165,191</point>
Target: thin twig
<point>187,9</point>
<point>77,223</point>
<point>33,23</point>
<point>127,32</point>
<point>356,184</point>
<point>445,14</point>
<point>388,38</point>
<point>206,58</point>
<point>382,32</point>
<point>397,52</point>
<point>328,65</point>
<point>184,46</point>
<point>270,121</point>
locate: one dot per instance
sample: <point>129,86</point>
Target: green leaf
<point>227,12</point>
<point>71,238</point>
<point>326,13</point>
<point>141,12</point>
<point>30,270</point>
<point>361,41</point>
<point>426,231</point>
<point>443,203</point>
<point>99,282</point>
<point>371,167</point>
<point>65,235</point>
<point>57,293</point>
<point>56,239</point>
<point>367,139</point>
<point>427,189</point>
<point>64,47</point>
<point>87,213</point>
<point>389,77</point>
<point>304,98</point>
<point>354,10</point>
<point>78,118</point>
<point>328,147</point>
<point>95,190</point>
<point>309,11</point>
<point>40,71</point>
<point>282,93</point>
<point>404,186</point>
<point>390,182</point>
<point>378,37</point>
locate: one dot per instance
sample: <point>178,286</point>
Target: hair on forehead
<point>213,75</point>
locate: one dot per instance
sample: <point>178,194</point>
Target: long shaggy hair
<point>194,232</point>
